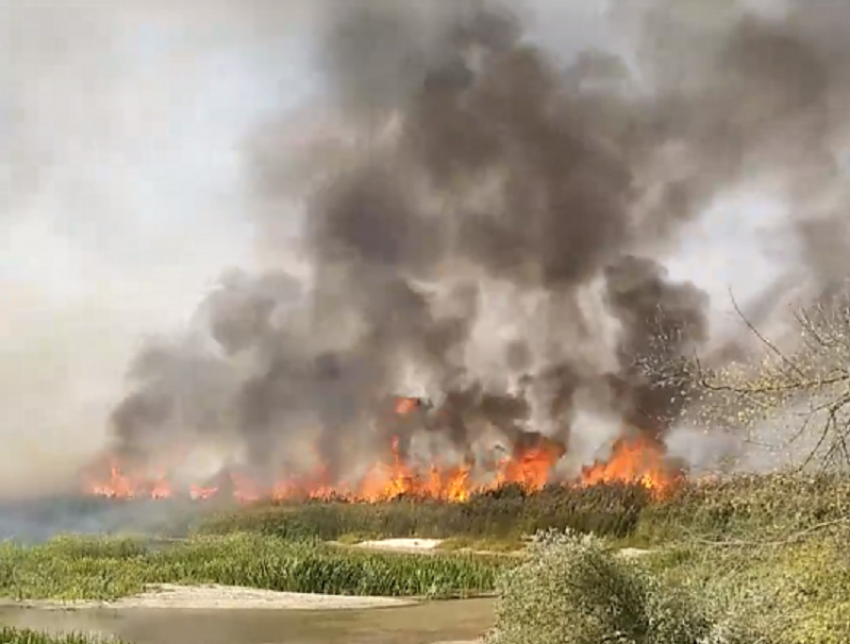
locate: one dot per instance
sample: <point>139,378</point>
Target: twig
<point>763,339</point>
<point>771,389</point>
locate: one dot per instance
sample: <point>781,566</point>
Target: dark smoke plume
<point>486,181</point>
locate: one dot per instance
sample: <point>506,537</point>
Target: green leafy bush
<point>574,590</point>
<point>790,593</point>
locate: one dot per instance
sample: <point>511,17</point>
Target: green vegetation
<point>507,513</point>
<point>752,555</point>
<point>70,568</point>
<point>792,592</point>
<point>26,636</point>
<point>573,589</point>
<point>760,506</point>
<point>751,560</point>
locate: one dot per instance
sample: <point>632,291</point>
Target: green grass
<point>25,636</point>
<point>70,568</point>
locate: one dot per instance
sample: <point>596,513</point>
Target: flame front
<point>638,461</point>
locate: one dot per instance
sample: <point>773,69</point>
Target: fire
<point>530,465</point>
<point>385,482</point>
<point>637,460</point>
<point>119,484</point>
<point>200,493</point>
<point>405,406</point>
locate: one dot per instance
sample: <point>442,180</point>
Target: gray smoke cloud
<point>480,183</point>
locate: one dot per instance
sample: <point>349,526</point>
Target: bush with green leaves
<point>573,589</point>
<point>792,592</point>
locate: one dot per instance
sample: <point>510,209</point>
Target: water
<point>421,624</point>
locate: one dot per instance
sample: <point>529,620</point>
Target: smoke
<point>486,220</point>
<point>121,142</point>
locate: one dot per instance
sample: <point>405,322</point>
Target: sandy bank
<point>225,598</point>
<point>402,545</point>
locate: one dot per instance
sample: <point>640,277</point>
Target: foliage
<point>791,592</point>
<point>104,569</point>
<point>573,590</point>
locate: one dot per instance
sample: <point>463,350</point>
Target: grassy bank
<point>753,505</point>
<point>68,568</point>
<point>25,636</point>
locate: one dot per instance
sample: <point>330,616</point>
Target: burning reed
<point>531,465</point>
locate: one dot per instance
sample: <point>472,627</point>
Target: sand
<point>634,553</point>
<point>407,545</point>
<point>225,598</point>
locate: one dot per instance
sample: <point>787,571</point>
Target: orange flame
<point>636,460</point>
<point>633,460</point>
<point>405,406</point>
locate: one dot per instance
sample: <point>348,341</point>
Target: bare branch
<point>763,339</point>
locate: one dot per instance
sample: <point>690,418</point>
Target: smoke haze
<point>473,208</point>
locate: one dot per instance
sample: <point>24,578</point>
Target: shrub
<point>573,590</point>
<point>792,593</point>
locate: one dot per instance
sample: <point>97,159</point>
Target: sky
<point>123,170</point>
